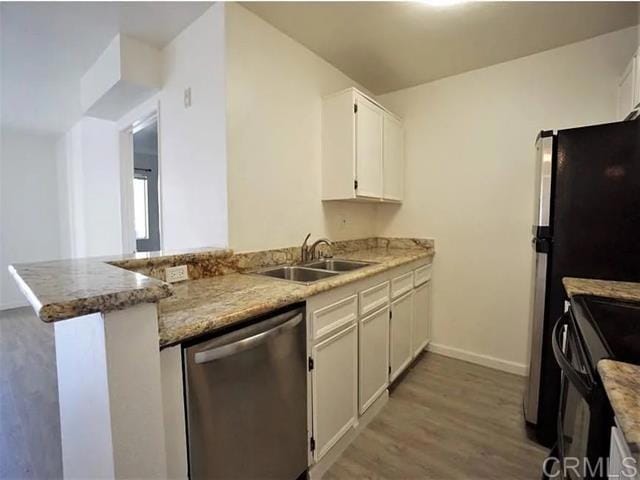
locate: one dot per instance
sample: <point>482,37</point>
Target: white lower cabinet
<point>421,329</point>
<point>334,380</point>
<point>374,357</point>
<point>621,464</point>
<point>361,337</point>
<point>400,352</point>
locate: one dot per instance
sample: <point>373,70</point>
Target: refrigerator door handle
<point>544,173</point>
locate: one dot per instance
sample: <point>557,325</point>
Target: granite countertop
<point>622,384</point>
<point>602,288</point>
<point>201,306</point>
<point>62,289</point>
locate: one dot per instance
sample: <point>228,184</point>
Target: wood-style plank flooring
<point>447,419</point>
<point>29,416</point>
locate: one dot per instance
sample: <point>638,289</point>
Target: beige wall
<point>274,91</point>
<point>469,182</point>
<point>29,229</point>
<point>193,165</point>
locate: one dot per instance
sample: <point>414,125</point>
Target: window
<point>141,206</point>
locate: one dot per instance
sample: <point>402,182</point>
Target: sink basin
<point>337,265</point>
<point>297,274</point>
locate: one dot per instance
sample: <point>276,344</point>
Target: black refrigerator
<point>586,224</point>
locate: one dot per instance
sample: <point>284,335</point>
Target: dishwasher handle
<point>282,323</point>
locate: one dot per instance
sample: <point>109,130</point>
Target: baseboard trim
<point>11,305</point>
<point>479,359</point>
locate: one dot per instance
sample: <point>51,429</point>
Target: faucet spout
<point>314,246</point>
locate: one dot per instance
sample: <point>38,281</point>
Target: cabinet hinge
<point>355,108</point>
<point>310,363</point>
<point>312,444</point>
<point>355,184</point>
<point>389,369</point>
<point>390,313</point>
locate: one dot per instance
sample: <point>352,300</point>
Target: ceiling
<point>47,46</point>
<point>387,46</point>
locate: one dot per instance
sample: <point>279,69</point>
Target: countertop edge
<point>308,291</point>
<point>629,291</point>
<point>104,303</point>
<point>619,394</point>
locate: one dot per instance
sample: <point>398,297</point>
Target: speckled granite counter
<point>63,289</point>
<point>202,306</point>
<point>602,288</point>
<point>622,383</point>
<point>220,291</point>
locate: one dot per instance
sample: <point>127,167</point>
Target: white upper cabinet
<point>629,88</point>
<point>362,157</point>
<point>369,121</point>
<point>393,161</point>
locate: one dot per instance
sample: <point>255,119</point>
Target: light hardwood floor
<point>447,419</point>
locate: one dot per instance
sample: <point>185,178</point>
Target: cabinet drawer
<point>422,274</point>
<point>373,298</point>
<point>401,285</point>
<point>334,316</point>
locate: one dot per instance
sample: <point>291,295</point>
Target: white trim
<point>479,359</point>
<point>126,191</point>
<point>142,115</point>
<point>12,305</point>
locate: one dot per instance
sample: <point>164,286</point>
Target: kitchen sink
<point>297,274</point>
<point>337,265</point>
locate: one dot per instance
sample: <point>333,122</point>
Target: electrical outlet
<point>176,274</point>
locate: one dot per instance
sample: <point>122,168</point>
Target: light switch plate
<point>176,274</point>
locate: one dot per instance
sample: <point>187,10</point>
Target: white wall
<point>28,207</point>
<point>469,179</point>
<point>89,173</point>
<point>274,92</point>
<point>193,166</point>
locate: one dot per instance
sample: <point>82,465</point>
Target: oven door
<point>574,413</point>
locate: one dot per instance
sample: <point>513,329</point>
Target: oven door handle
<point>575,377</point>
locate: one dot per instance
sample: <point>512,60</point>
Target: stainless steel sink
<point>297,274</point>
<point>338,265</point>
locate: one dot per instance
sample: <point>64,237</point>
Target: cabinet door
<point>626,89</point>
<point>335,389</point>
<point>621,464</point>
<point>368,149</point>
<point>421,322</point>
<point>400,334</point>
<point>393,161</point>
<point>374,357</point>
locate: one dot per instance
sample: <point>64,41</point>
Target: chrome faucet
<point>308,253</point>
<point>314,246</point>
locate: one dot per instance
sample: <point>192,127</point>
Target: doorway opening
<point>146,210</point>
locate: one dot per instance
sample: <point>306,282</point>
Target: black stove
<point>610,328</point>
<point>594,328</point>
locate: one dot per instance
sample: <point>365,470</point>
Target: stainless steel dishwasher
<point>246,402</point>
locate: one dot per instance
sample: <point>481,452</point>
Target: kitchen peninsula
<point>119,328</point>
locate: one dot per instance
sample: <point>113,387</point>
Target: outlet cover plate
<point>176,274</point>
